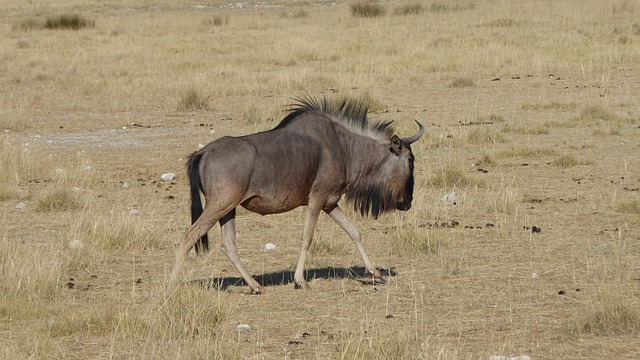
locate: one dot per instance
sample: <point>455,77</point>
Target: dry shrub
<point>192,99</point>
<point>409,9</point>
<point>190,312</point>
<point>58,200</point>
<point>529,129</point>
<point>607,316</point>
<point>569,161</point>
<point>526,152</point>
<point>462,82</point>
<point>554,105</point>
<point>596,113</point>
<point>120,230</point>
<point>29,277</point>
<point>485,135</point>
<point>450,177</point>
<point>68,21</point>
<point>628,206</point>
<point>216,20</point>
<point>367,9</point>
<point>411,240</point>
<point>376,345</point>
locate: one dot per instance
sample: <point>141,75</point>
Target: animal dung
<point>168,176</point>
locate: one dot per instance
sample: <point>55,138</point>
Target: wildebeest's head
<point>398,168</point>
<point>390,187</point>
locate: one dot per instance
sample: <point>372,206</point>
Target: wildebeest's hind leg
<point>228,229</point>
<point>339,217</point>
<point>205,222</point>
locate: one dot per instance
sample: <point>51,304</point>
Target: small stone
<point>168,176</point>
<point>21,206</point>
<point>74,244</point>
<point>534,276</point>
<point>449,197</point>
<point>125,185</point>
<point>134,212</point>
<point>243,328</point>
<point>269,246</point>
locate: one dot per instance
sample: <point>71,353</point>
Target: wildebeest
<point>321,150</point>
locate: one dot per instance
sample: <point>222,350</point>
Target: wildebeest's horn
<point>414,138</point>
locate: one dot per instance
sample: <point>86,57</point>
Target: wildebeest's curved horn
<point>414,138</point>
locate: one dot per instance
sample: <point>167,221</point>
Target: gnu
<point>319,152</point>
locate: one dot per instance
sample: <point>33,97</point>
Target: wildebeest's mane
<point>351,113</point>
<point>372,199</point>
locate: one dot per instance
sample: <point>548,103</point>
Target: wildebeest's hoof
<point>259,290</point>
<point>380,281</point>
<point>301,285</point>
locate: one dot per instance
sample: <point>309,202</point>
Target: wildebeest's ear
<point>396,145</point>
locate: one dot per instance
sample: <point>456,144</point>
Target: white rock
<point>243,328</point>
<point>88,167</point>
<point>521,357</point>
<point>449,197</point>
<point>134,212</point>
<point>21,206</point>
<point>269,246</point>
<point>534,276</point>
<point>168,176</point>
<point>76,189</point>
<point>74,244</point>
<point>125,185</point>
<point>200,146</point>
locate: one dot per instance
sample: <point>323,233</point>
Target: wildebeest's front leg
<point>310,219</point>
<point>339,217</point>
<point>228,229</point>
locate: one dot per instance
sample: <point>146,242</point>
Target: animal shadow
<point>286,277</point>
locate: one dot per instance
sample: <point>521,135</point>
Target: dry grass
<point>90,119</point>
<point>451,177</point>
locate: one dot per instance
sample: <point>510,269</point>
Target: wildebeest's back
<point>278,170</point>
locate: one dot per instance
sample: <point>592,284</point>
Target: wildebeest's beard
<point>372,199</point>
<point>408,196</point>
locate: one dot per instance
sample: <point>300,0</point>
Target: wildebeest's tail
<point>195,183</point>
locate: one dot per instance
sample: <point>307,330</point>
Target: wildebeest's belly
<point>265,205</point>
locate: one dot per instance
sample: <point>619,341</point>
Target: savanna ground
<point>533,119</point>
